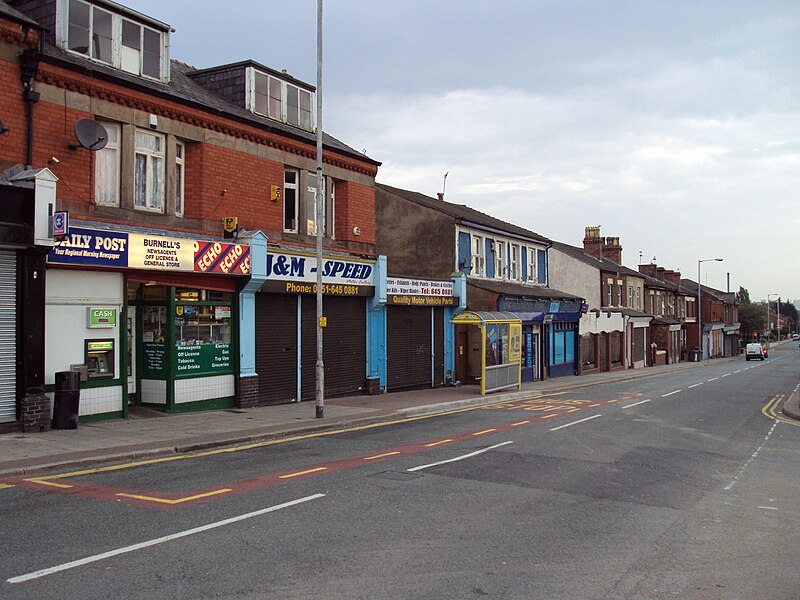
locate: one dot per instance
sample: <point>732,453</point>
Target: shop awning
<point>477,317</point>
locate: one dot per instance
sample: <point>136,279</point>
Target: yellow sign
<point>274,193</point>
<point>323,321</point>
<point>514,342</point>
<point>230,224</point>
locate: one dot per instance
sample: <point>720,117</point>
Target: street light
<point>769,325</point>
<point>700,307</point>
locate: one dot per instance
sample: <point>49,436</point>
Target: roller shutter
<point>344,346</point>
<point>410,361</point>
<point>276,348</point>
<point>8,336</point>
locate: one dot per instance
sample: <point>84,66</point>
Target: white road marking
<point>161,540</point>
<point>670,394</point>
<point>712,379</point>
<point>752,457</point>
<point>636,403</point>
<point>768,507</point>
<point>575,422</point>
<point>696,385</point>
<point>726,375</point>
<point>457,458</point>
<point>738,371</point>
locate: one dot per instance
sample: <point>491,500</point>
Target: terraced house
<point>183,276</point>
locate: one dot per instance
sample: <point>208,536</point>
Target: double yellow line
<point>771,411</point>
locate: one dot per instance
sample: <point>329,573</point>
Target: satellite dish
<point>90,134</point>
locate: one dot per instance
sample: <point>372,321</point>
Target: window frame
<point>295,186</point>
<point>116,146</point>
<point>285,106</point>
<point>180,182</point>
<point>499,259</point>
<point>150,156</point>
<point>116,59</point>
<point>532,276</point>
<point>513,258</point>
<point>478,258</point>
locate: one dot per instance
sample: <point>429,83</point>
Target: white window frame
<point>310,200</point>
<point>180,182</point>
<point>62,39</point>
<point>514,271</point>
<point>478,258</point>
<point>331,227</point>
<point>150,156</point>
<point>114,146</point>
<point>499,259</point>
<point>532,265</point>
<point>283,117</point>
<point>638,299</point>
<point>610,292</point>
<point>291,186</point>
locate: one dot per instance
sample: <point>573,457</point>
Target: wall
<point>574,277</point>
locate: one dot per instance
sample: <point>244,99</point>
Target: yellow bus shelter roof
<point>477,317</point>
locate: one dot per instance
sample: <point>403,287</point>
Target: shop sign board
<point>101,317</point>
<point>297,274</point>
<point>202,359</point>
<point>112,249</point>
<point>419,292</point>
<point>155,365</point>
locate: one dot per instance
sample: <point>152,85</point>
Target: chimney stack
<point>612,250</point>
<point>592,242</point>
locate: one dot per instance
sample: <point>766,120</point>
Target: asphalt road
<point>679,486</point>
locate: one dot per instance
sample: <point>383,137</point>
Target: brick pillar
<point>35,411</point>
<point>247,392</point>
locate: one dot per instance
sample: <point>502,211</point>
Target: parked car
<point>754,351</point>
<point>796,336</point>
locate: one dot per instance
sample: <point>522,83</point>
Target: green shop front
<point>170,337</point>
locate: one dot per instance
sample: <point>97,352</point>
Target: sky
<point>672,124</point>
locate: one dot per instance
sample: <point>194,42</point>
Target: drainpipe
<point>30,64</point>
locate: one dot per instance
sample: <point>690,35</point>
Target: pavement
<point>147,433</point>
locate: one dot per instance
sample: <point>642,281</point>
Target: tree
<point>742,296</point>
<point>752,318</point>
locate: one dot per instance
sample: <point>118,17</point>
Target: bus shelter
<point>489,349</point>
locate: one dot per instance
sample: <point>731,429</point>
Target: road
<point>677,486</point>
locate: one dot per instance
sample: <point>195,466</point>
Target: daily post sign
<point>99,248</point>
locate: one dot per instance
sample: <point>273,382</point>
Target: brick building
<point>190,195</point>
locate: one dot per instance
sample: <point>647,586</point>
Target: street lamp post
<point>700,307</point>
<point>769,325</point>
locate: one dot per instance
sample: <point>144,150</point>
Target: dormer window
<point>118,40</point>
<point>281,100</point>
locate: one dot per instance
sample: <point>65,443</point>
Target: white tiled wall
<point>153,391</point>
<point>203,388</point>
<point>95,401</point>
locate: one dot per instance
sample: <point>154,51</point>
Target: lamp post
<point>700,307</point>
<point>769,325</point>
<point>319,227</point>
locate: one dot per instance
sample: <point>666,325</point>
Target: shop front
<point>286,326</point>
<point>417,319</point>
<point>148,319</point>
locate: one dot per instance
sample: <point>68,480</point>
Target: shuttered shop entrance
<point>276,348</point>
<point>414,347</point>
<point>8,336</point>
<point>344,345</point>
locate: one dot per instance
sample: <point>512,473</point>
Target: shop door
<point>8,336</point>
<point>344,346</point>
<point>461,360</point>
<point>276,348</point>
<point>408,348</point>
<point>132,380</point>
<point>438,346</point>
<point>530,354</point>
<point>638,345</point>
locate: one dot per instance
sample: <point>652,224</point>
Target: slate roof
<point>14,15</point>
<point>518,289</point>
<point>604,264</point>
<point>691,287</point>
<point>466,215</point>
<point>182,89</point>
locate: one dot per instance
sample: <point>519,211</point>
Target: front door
<point>131,325</point>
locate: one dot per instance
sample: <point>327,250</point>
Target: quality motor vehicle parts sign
<point>92,247</point>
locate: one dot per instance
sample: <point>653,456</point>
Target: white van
<point>754,351</point>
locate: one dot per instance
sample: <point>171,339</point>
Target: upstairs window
<point>180,152</point>
<point>531,256</point>
<point>148,183</point>
<point>290,184</point>
<point>281,101</point>
<point>113,39</point>
<point>514,262</point>
<point>107,163</point>
<point>499,260</point>
<point>478,256</point>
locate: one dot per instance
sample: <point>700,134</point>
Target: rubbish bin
<point>67,400</point>
<point>694,356</point>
